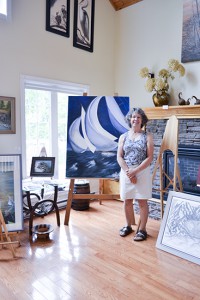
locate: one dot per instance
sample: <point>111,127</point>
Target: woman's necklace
<point>134,135</point>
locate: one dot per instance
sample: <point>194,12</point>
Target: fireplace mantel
<point>181,112</point>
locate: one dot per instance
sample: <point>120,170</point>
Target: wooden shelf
<point>181,112</point>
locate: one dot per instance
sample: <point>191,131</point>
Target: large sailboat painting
<point>93,129</point>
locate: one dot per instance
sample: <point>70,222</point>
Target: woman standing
<point>135,154</point>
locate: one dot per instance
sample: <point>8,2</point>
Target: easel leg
<point>9,242</point>
<point>69,202</point>
<point>101,182</point>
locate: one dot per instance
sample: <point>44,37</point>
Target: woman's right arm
<point>120,154</point>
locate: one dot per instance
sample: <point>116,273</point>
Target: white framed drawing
<point>179,233</point>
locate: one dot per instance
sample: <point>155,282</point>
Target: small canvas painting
<point>93,129</point>
<point>191,31</point>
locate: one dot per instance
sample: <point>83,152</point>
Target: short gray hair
<point>139,111</point>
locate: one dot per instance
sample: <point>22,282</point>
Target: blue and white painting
<point>93,129</point>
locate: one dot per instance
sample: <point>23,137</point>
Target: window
<point>5,9</point>
<point>44,120</point>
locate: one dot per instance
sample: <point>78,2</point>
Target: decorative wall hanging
<point>191,31</point>
<point>93,129</point>
<point>84,24</point>
<point>180,228</point>
<point>7,115</point>
<point>58,16</point>
<point>11,191</point>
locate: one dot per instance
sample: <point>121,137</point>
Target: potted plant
<point>160,84</point>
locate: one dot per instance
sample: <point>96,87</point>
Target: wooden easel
<point>7,237</point>
<point>169,142</point>
<point>72,196</point>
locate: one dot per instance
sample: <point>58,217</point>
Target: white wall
<point>149,33</point>
<point>145,34</point>
<point>26,48</point>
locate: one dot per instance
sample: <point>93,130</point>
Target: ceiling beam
<point>119,4</point>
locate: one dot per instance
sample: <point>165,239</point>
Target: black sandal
<point>125,231</point>
<point>141,235</point>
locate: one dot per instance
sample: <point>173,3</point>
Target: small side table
<point>42,207</point>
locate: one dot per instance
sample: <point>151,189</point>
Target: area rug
<point>154,209</point>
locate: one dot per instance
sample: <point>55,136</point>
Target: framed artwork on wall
<point>7,115</point>
<point>83,36</point>
<point>42,166</point>
<point>180,228</point>
<point>94,127</point>
<point>11,191</point>
<point>58,17</point>
<point>191,31</point>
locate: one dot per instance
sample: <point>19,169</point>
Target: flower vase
<point>160,99</point>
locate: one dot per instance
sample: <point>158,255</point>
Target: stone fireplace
<point>188,163</point>
<point>188,145</point>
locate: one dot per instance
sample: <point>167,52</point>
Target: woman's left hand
<point>131,174</point>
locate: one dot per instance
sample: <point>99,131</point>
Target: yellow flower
<point>173,65</point>
<point>150,84</point>
<point>181,70</point>
<point>144,72</point>
<point>163,73</point>
<point>160,83</point>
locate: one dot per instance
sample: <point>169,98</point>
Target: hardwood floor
<point>89,260</point>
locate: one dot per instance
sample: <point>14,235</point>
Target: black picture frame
<point>58,17</point>
<point>42,166</point>
<point>83,33</point>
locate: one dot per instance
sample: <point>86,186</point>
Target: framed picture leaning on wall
<point>180,228</point>
<point>58,17</point>
<point>7,115</point>
<point>83,36</point>
<point>11,191</point>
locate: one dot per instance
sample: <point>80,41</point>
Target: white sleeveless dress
<point>134,153</point>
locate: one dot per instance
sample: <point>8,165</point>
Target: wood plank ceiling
<point>119,4</point>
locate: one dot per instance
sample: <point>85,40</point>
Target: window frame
<point>54,87</point>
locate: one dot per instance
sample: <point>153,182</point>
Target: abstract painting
<point>93,129</point>
<point>180,228</point>
<point>191,31</point>
<point>11,191</point>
